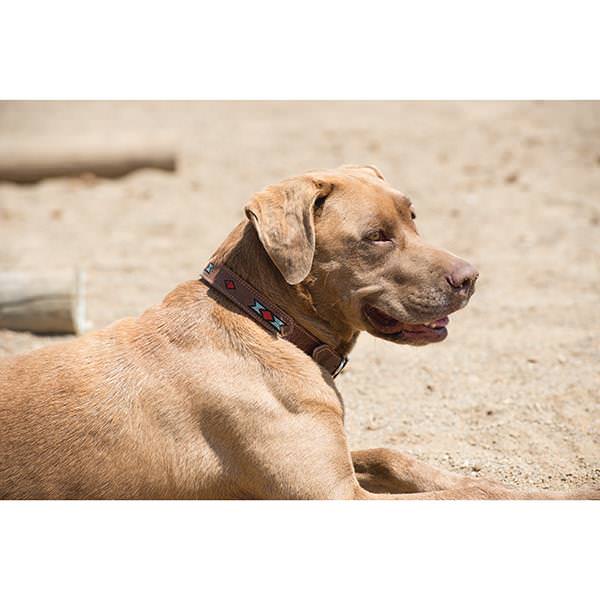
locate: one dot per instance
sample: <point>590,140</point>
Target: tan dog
<point>194,399</point>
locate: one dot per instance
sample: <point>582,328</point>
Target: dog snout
<point>462,278</point>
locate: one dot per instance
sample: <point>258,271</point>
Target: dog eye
<point>377,236</point>
<point>412,215</point>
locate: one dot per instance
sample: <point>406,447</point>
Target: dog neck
<point>243,253</point>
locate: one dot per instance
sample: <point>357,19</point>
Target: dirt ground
<point>513,393</point>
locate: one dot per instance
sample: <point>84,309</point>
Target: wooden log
<point>29,167</point>
<point>43,302</point>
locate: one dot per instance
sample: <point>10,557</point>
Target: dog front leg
<point>388,474</point>
<point>381,470</point>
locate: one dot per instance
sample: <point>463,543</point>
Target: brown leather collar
<point>270,316</point>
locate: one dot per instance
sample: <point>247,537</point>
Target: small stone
<point>511,178</point>
<point>532,360</point>
<point>489,413</point>
<point>372,425</point>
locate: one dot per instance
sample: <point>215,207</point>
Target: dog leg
<point>382,470</point>
<point>384,473</point>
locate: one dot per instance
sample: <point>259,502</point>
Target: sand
<point>513,393</point>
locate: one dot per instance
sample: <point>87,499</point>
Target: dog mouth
<point>411,333</point>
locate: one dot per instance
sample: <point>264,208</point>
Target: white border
<point>314,49</point>
<point>277,50</point>
<point>299,549</point>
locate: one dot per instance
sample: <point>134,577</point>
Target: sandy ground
<point>513,393</point>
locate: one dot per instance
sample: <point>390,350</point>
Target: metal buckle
<point>340,367</point>
<point>324,356</point>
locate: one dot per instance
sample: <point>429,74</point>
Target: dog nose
<point>462,278</point>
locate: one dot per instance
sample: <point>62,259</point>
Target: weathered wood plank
<point>43,302</point>
<point>29,167</point>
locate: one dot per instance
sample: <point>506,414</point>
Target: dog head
<point>352,240</point>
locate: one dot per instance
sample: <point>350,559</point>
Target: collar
<point>270,316</point>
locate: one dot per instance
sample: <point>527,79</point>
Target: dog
<point>226,389</point>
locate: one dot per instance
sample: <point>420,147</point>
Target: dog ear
<point>370,169</point>
<point>283,216</point>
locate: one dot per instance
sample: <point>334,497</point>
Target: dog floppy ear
<point>283,216</point>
